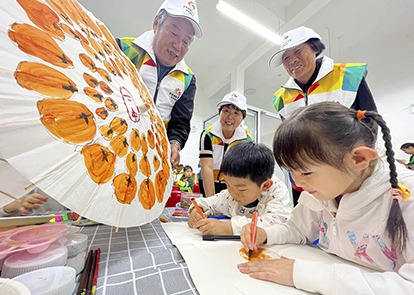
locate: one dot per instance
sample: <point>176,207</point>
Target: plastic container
<point>76,243</point>
<point>186,199</point>
<point>77,261</point>
<point>23,262</point>
<point>174,199</point>
<point>58,280</point>
<point>10,287</point>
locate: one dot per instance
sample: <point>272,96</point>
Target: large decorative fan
<point>75,118</point>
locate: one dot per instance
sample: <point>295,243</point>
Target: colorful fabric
<point>335,82</point>
<point>218,144</point>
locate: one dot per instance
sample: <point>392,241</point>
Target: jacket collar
<point>145,42</point>
<point>239,132</point>
<point>326,67</point>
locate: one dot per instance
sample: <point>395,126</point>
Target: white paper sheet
<point>213,264</point>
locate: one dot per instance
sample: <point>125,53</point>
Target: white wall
<point>393,102</point>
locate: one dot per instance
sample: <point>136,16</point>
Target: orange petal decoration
<point>57,6</point>
<point>87,62</point>
<point>102,113</point>
<point>43,17</point>
<point>93,93</point>
<point>75,34</point>
<point>125,188</point>
<point>106,132</point>
<point>146,194</point>
<point>135,140</point>
<point>166,167</point>
<point>90,80</point>
<point>156,163</point>
<point>90,51</point>
<point>144,144</point>
<point>104,74</point>
<point>68,120</point>
<point>38,43</point>
<point>151,140</point>
<point>144,166</point>
<point>110,68</point>
<point>160,185</point>
<point>119,125</point>
<point>119,145</point>
<point>110,104</point>
<point>44,80</point>
<point>132,164</point>
<point>105,87</point>
<point>100,162</point>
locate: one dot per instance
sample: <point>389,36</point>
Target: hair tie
<point>361,115</point>
<point>396,194</point>
<point>405,193</point>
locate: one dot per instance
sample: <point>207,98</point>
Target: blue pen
<point>218,217</point>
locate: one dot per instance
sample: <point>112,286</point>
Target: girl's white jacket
<point>354,231</point>
<point>274,207</point>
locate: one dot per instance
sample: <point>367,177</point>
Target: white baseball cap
<point>183,8</point>
<point>235,98</point>
<point>291,39</point>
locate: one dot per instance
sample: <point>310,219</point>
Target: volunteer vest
<point>340,85</point>
<point>172,85</point>
<point>218,147</point>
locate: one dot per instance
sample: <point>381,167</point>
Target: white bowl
<point>11,287</point>
<point>59,280</point>
<point>23,261</point>
<point>76,243</point>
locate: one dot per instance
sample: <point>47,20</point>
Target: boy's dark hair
<point>187,167</point>
<point>406,145</point>
<point>316,45</point>
<point>232,106</point>
<point>249,160</point>
<point>324,133</point>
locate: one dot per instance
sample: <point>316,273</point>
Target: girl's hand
<point>26,203</point>
<point>279,271</point>
<point>194,217</point>
<point>261,238</point>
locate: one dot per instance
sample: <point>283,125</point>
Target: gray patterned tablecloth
<point>139,260</point>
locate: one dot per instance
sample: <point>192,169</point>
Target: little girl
<point>354,203</point>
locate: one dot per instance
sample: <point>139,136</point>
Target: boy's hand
<point>26,203</point>
<point>194,217</point>
<point>212,226</point>
<point>279,271</point>
<point>261,238</point>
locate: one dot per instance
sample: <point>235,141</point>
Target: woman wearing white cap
<point>216,139</point>
<point>314,80</point>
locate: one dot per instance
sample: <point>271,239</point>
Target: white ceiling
<point>377,32</point>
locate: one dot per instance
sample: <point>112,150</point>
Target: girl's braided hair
<point>324,133</point>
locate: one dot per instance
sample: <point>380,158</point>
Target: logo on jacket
<point>176,94</point>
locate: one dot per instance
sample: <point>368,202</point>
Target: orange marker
<point>253,230</point>
<point>198,208</point>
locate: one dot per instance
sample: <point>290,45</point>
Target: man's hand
<point>175,154</point>
<point>279,271</point>
<point>194,217</point>
<point>212,226</point>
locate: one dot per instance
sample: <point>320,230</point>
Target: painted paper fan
<point>75,117</point>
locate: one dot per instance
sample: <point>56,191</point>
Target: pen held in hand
<point>197,207</point>
<point>253,230</point>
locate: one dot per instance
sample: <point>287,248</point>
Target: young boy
<point>408,148</point>
<point>251,186</point>
<point>186,181</point>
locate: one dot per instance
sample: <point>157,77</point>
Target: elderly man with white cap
<point>314,80</point>
<point>159,58</point>
<point>217,138</point>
